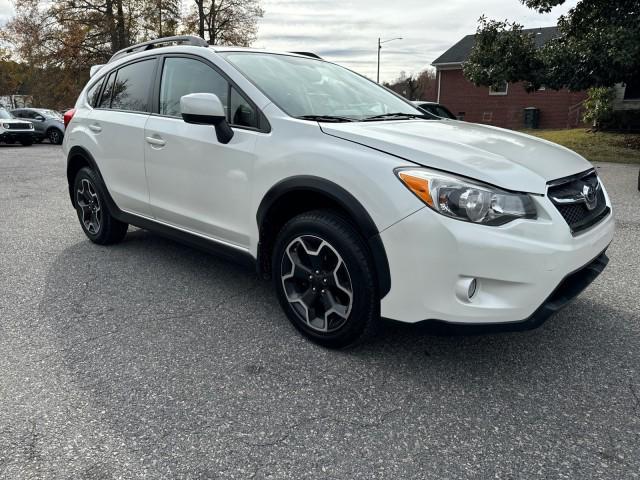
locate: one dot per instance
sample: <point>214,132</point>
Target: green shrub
<point>599,106</point>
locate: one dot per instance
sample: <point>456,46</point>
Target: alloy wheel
<point>89,205</point>
<point>317,283</point>
<point>54,137</point>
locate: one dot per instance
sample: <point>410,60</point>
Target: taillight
<point>68,115</point>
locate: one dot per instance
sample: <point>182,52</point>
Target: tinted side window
<point>131,89</point>
<point>105,99</point>
<point>92,94</point>
<point>182,76</point>
<point>241,112</point>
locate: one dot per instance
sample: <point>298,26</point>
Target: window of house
<point>632,90</point>
<point>132,85</point>
<point>461,115</point>
<point>487,116</point>
<point>499,89</point>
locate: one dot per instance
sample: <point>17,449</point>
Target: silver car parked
<point>47,124</point>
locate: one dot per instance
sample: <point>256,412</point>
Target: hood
<point>14,120</point>
<point>506,159</point>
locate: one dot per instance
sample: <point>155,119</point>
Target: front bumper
<point>525,270</point>
<point>16,135</point>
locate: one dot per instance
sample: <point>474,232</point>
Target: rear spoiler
<point>94,70</point>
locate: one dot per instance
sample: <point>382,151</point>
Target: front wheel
<point>325,279</point>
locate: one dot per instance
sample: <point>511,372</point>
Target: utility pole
<point>380,42</point>
<point>379,48</point>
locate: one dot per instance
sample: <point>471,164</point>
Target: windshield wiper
<point>393,116</point>
<point>326,118</point>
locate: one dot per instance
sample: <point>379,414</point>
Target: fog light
<point>466,288</point>
<point>472,289</point>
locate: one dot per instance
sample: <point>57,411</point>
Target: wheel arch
<point>298,194</point>
<point>78,158</point>
<point>53,127</point>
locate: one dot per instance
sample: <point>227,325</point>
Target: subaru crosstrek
<point>357,205</point>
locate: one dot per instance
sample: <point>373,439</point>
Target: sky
<point>347,31</point>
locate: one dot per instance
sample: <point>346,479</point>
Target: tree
<point>415,87</point>
<point>226,22</point>
<point>598,46</point>
<point>56,41</point>
<point>161,18</point>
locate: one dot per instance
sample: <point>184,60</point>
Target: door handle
<point>158,142</point>
<point>95,128</point>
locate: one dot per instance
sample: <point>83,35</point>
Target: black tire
<point>639,180</point>
<point>93,203</point>
<point>55,136</point>
<point>26,142</point>
<point>343,239</point>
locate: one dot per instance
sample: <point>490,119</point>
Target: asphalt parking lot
<point>153,360</point>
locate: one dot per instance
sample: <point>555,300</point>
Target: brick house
<point>504,105</point>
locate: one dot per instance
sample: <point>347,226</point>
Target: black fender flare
<point>349,203</point>
<point>76,152</point>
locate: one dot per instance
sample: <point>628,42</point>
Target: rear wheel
<point>95,219</point>
<point>325,279</point>
<point>55,136</point>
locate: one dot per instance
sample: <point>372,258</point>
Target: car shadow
<point>148,275</point>
<point>18,145</point>
<point>180,350</point>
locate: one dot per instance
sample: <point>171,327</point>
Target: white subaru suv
<point>357,205</point>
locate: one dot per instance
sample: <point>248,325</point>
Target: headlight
<point>464,199</point>
<point>6,126</point>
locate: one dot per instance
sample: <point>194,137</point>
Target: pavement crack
<point>634,394</point>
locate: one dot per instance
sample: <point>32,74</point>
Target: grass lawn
<point>596,147</point>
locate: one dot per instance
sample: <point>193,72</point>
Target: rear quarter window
<point>94,91</point>
<point>132,87</point>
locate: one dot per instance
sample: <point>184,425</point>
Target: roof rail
<point>188,39</point>
<point>308,54</point>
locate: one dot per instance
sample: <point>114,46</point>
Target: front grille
<point>18,126</point>
<point>579,199</point>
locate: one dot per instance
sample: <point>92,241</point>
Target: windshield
<point>305,87</point>
<point>5,115</point>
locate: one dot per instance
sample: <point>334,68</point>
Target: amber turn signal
<point>419,186</point>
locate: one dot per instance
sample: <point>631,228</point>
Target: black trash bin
<point>531,117</point>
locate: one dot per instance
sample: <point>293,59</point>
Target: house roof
<point>459,53</point>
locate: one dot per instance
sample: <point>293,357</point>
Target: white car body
<point>171,173</point>
<point>15,129</point>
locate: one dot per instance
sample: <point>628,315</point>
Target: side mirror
<point>206,109</point>
<point>39,118</point>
